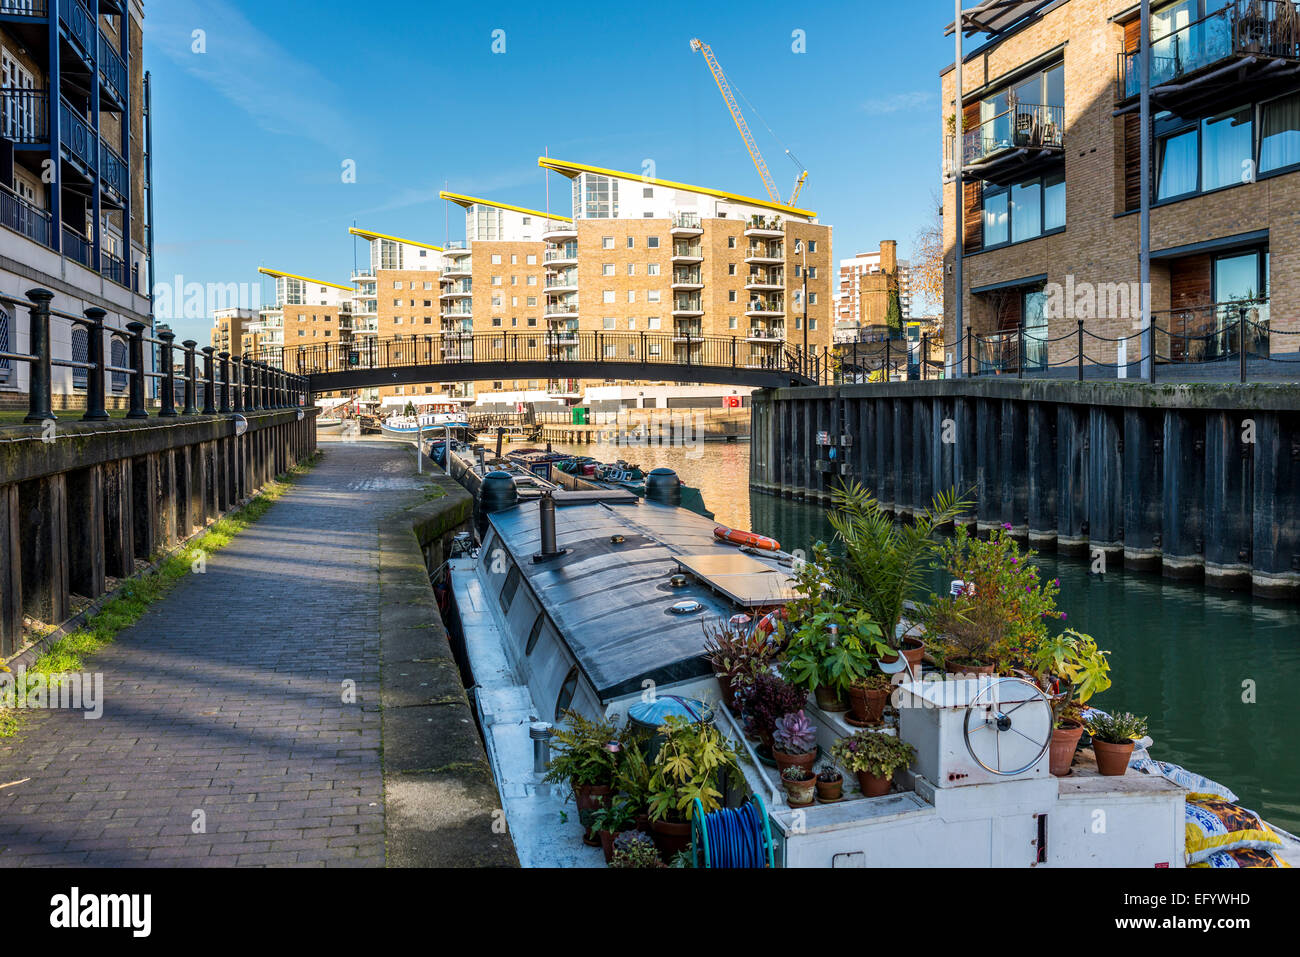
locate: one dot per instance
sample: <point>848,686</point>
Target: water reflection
<point>1186,657</point>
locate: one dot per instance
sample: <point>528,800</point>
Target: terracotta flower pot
<point>670,837</point>
<point>799,793</point>
<point>830,790</point>
<point>872,786</point>
<point>727,690</point>
<point>914,652</point>
<point>828,699</point>
<point>1112,759</point>
<point>590,798</point>
<point>953,668</point>
<point>868,704</point>
<point>607,844</point>
<point>1065,740</point>
<point>784,760</point>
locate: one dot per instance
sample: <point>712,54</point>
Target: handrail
<point>254,385</point>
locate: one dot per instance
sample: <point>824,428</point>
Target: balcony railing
<point>1267,29</point>
<point>1023,126</point>
<point>112,68</point>
<point>113,268</point>
<point>564,252</point>
<point>688,250</point>
<point>25,8</point>
<point>79,24</point>
<point>76,247</point>
<point>25,115</point>
<point>24,218</point>
<point>113,171</point>
<point>763,251</point>
<point>687,304</point>
<point>687,221</point>
<point>76,134</point>
<point>687,278</point>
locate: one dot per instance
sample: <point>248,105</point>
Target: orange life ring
<point>768,623</point>
<point>737,537</point>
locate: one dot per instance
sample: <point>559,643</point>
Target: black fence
<point>231,383</point>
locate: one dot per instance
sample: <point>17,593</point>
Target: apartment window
<point>496,321</point>
<point>496,259</point>
<point>1195,157</point>
<point>652,242</point>
<point>1023,211</point>
<point>812,325</point>
<point>514,280</point>
<point>647,192</point>
<point>532,300</point>
<point>731,295</point>
<point>631,295</point>
<point>812,245</point>
<point>607,269</point>
<point>397,284</point>
<point>428,303</point>
<point>532,320</point>
<point>652,295</point>
<point>610,352</point>
<point>731,269</point>
<point>514,301</point>
<point>609,324</point>
<point>428,287</point>
<point>648,215</point>
<point>607,242</point>
<point>532,281</point>
<point>532,259</point>
<point>731,242</point>
<point>631,243</point>
<point>652,269</point>
<point>514,259</point>
<point>496,301</point>
<point>631,324</point>
<point>652,323</point>
<point>812,298</point>
<point>653,349</point>
<point>631,269</point>
<point>496,280</point>
<point>731,322</point>
<point>609,295</point>
<point>812,270</point>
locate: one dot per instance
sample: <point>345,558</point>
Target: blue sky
<point>251,136</point>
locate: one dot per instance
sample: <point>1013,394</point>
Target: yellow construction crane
<point>755,153</point>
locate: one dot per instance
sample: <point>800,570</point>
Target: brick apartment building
<point>231,328</point>
<point>307,312</point>
<point>73,182</point>
<point>1051,174</point>
<point>865,284</point>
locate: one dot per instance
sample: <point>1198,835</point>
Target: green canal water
<point>1214,671</point>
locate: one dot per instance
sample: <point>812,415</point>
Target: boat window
<point>567,691</point>
<point>510,587</point>
<point>535,634</point>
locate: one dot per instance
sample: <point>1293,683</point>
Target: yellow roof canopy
<point>467,201</point>
<point>277,274</point>
<point>370,234</point>
<point>573,169</point>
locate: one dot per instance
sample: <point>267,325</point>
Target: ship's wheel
<point>1008,738</point>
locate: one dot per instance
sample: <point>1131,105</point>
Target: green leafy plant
<point>1002,615</point>
<point>581,754</point>
<point>636,849</point>
<point>767,701</point>
<point>797,774</point>
<point>738,656</point>
<point>614,817</point>
<point>692,763</point>
<point>1078,667</point>
<point>877,754</point>
<point>828,774</point>
<point>876,681</point>
<point>632,779</point>
<point>885,562</point>
<point>1124,727</point>
<point>828,644</point>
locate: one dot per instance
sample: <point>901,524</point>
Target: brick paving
<point>227,698</point>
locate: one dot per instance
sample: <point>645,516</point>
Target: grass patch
<point>135,595</point>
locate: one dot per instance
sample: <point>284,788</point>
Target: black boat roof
<point>610,601</point>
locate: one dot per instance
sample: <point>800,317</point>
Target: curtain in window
<point>1054,202</point>
<point>1026,210</point>
<point>1177,165</point>
<point>1227,146</point>
<point>1280,136</point>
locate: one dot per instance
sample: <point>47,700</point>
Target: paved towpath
<point>225,739</point>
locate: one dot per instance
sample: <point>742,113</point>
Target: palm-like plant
<point>885,562</point>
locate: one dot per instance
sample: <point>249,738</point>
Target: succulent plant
<point>796,773</point>
<point>828,774</point>
<point>795,734</point>
<point>635,849</point>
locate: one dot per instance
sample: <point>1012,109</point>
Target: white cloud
<point>899,102</point>
<point>280,92</point>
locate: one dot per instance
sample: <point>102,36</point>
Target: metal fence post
<point>1080,321</point>
<point>888,363</point>
<point>137,410</point>
<point>191,383</point>
<point>237,370</point>
<point>167,394</point>
<point>925,354</point>
<point>209,380</point>
<point>95,378</point>
<point>969,353</point>
<point>39,370</point>
<point>225,383</point>
<point>1020,352</point>
<point>1241,340</point>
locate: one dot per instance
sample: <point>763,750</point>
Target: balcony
<point>1004,148</point>
<point>76,247</point>
<point>688,253</point>
<point>455,268</point>
<point>688,306</point>
<point>763,280</point>
<point>113,172</point>
<point>563,309</point>
<point>457,310</point>
<point>688,332</point>
<point>112,70</point>
<point>563,256</point>
<point>25,117</point>
<point>1242,45</point>
<point>77,137</point>
<point>766,307</point>
<point>113,268</point>
<point>24,218</point>
<point>686,224</point>
<point>79,27</point>
<point>460,290</point>
<point>766,336</point>
<point>557,231</point>
<point>762,227</point>
<point>456,247</point>
<point>35,9</point>
<point>364,275</point>
<point>765,254</point>
<point>687,279</point>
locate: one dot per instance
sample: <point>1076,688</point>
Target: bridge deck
<point>226,697</point>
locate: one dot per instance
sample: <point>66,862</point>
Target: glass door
<point>1240,294</point>
<point>1034,311</point>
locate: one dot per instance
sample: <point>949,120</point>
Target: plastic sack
<point>1243,858</point>
<point>1215,826</point>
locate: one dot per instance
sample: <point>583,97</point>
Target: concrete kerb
<point>441,803</point>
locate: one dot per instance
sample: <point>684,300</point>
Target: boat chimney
<point>501,436</point>
<point>482,458</point>
<point>664,487</point>
<point>546,508</point>
<point>541,733</point>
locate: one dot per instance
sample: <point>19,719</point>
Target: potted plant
<point>869,696</point>
<point>794,742</point>
<point>585,756</point>
<point>632,780</point>
<point>798,783</point>
<point>830,784</point>
<point>1113,736</point>
<point>1002,612</point>
<point>886,563</point>
<point>829,644</point>
<point>766,701</point>
<point>874,756</point>
<point>635,849</point>
<point>736,657</point>
<point>692,763</point>
<point>1074,669</point>
<point>610,821</point>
